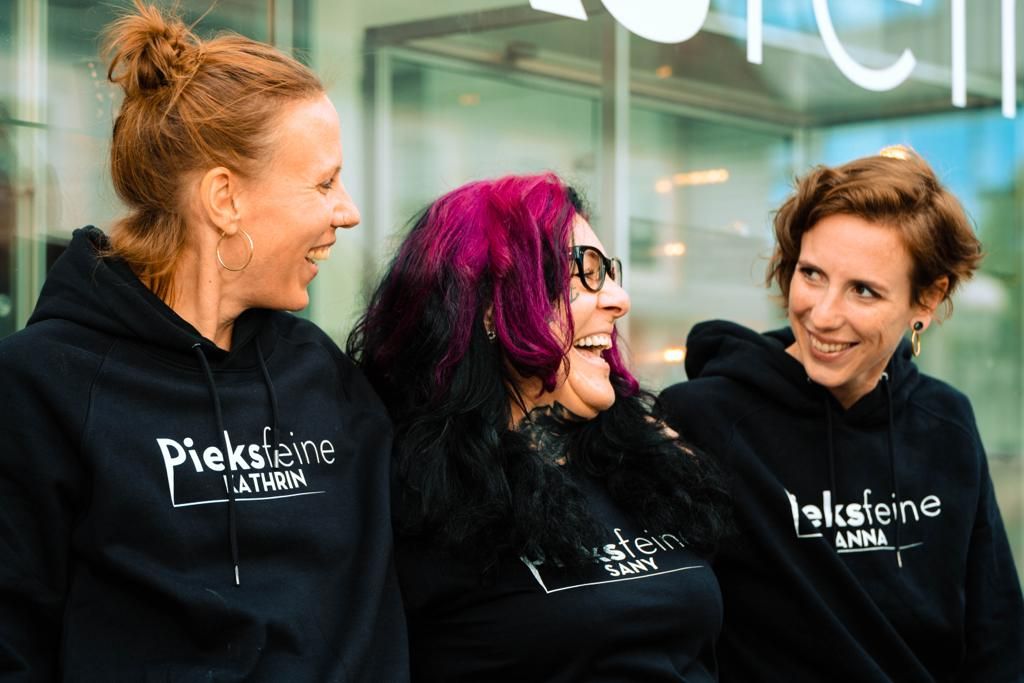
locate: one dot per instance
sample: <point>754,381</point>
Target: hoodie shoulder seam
<point>92,387</point>
<point>945,419</point>
<point>752,410</point>
<point>731,423</point>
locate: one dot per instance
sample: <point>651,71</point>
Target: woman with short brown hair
<point>870,546</point>
<point>195,482</point>
<point>896,188</point>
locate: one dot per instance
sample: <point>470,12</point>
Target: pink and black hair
<point>502,244</point>
<point>467,479</point>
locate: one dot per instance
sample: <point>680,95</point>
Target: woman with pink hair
<point>548,527</point>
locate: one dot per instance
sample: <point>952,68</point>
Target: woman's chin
<point>590,406</point>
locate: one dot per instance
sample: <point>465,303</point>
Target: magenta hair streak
<point>502,243</point>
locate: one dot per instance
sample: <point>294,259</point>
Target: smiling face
<point>850,302</point>
<point>291,209</point>
<point>585,388</point>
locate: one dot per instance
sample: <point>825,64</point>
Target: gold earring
<point>915,338</point>
<point>248,260</point>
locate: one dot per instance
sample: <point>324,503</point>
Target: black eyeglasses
<point>592,266</point>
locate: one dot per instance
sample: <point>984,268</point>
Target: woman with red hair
<point>194,482</point>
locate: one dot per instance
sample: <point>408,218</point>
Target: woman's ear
<point>217,190</point>
<point>489,323</point>
<point>929,302</point>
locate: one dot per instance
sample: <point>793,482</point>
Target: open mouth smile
<point>318,254</point>
<point>829,347</point>
<point>592,346</point>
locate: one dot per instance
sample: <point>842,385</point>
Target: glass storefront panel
<point>8,165</point>
<point>683,147</point>
<point>714,141</point>
<point>444,122</point>
<point>699,192</point>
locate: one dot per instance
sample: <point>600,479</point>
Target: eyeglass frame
<point>611,265</point>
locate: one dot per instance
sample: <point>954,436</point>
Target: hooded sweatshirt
<point>175,512</point>
<point>869,545</point>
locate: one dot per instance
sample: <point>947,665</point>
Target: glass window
<point>714,142</point>
<point>8,166</point>
<point>699,140</point>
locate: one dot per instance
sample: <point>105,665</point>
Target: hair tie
<point>901,152</point>
<point>200,56</point>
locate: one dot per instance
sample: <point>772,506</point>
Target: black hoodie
<point>120,543</point>
<point>812,584</point>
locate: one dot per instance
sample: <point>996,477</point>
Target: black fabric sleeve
<point>994,618</point>
<point>694,410</point>
<point>41,484</point>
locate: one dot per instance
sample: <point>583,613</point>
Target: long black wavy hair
<point>468,480</point>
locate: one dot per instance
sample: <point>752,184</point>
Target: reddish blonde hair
<point>897,189</point>
<point>189,105</point>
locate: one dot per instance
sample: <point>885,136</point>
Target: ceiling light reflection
<point>674,354</point>
<point>709,176</point>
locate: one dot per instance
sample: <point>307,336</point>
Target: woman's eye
<point>327,185</point>
<point>864,291</point>
<point>810,273</point>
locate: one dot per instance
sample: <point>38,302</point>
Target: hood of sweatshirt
<point>118,304</point>
<point>216,514</point>
<point>760,361</point>
<point>725,349</point>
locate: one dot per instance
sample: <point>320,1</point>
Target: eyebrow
<point>874,286</point>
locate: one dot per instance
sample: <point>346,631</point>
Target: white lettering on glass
<point>663,21</point>
<point>878,80</point>
<point>958,37</point>
<point>1009,60</point>
<point>563,8</point>
<point>755,39</point>
<point>675,21</point>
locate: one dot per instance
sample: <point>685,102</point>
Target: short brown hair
<point>188,105</point>
<point>897,189</point>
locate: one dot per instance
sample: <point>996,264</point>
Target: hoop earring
<point>915,338</point>
<point>248,260</point>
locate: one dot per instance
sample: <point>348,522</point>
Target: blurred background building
<point>684,122</point>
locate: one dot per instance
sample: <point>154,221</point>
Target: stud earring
<point>915,338</point>
<point>491,335</point>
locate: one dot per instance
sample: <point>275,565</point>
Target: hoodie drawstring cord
<point>273,400</point>
<point>831,449</point>
<point>892,469</point>
<point>232,524</point>
<point>232,511</point>
<point>892,462</point>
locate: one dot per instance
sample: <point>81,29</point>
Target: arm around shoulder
<point>696,411</point>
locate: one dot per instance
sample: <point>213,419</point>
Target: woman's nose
<point>346,213</point>
<point>614,298</point>
<point>826,312</point>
